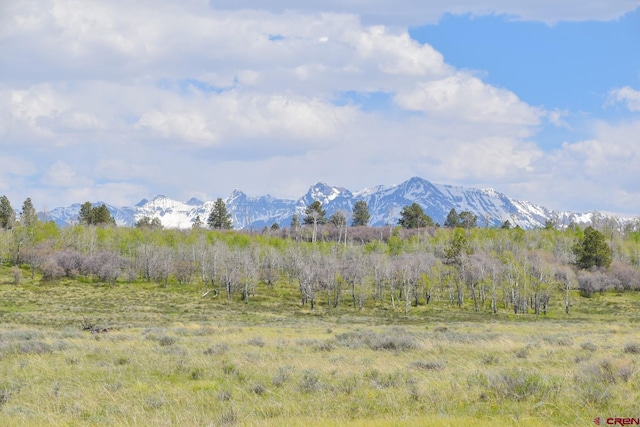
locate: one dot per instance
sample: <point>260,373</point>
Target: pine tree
<point>90,215</point>
<point>197,223</point>
<point>28,215</point>
<point>7,214</point>
<point>219,218</point>
<point>453,219</point>
<point>457,248</point>
<point>315,214</point>
<point>414,217</point>
<point>101,215</point>
<point>361,214</point>
<point>592,250</point>
<point>151,223</point>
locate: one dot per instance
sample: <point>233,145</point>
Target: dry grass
<point>79,354</point>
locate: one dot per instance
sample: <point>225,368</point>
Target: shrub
<point>523,353</point>
<point>517,385</point>
<point>35,347</point>
<point>196,374</point>
<point>229,368</point>
<point>51,270</point>
<point>257,341</point>
<point>310,382</point>
<point>224,396</point>
<point>589,346</point>
<point>591,388</point>
<point>4,396</point>
<point>399,340</point>
<point>428,366</point>
<point>216,349</point>
<point>258,389</point>
<point>632,348</point>
<point>16,273</point>
<point>560,340</point>
<point>490,359</point>
<point>282,376</point>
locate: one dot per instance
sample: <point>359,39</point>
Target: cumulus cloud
<point>119,100</point>
<point>467,97</point>
<point>600,170</point>
<point>627,96</point>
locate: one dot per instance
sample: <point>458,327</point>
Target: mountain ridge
<point>385,204</point>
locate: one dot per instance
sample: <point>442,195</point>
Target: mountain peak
<point>194,201</point>
<point>385,204</point>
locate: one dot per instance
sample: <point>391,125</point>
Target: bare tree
<point>567,278</point>
<point>270,265</point>
<point>249,261</point>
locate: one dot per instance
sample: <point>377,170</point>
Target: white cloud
<point>467,97</point>
<point>61,174</point>
<point>119,100</point>
<point>627,96</point>
<point>557,118</point>
<point>600,171</point>
<point>414,12</point>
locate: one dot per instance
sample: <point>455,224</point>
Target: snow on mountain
<point>385,204</point>
<point>258,212</point>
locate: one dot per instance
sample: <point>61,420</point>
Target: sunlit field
<point>74,353</point>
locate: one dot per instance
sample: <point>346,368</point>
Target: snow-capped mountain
<point>385,204</point>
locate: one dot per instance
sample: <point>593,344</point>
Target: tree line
<point>415,263</point>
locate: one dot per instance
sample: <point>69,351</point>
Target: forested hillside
<point>329,266</point>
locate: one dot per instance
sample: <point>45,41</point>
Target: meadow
<point>74,352</point>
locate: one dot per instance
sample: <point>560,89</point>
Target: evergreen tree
<point>468,220</point>
<point>457,248</point>
<point>592,250</point>
<point>152,223</point>
<point>361,214</point>
<point>315,214</point>
<point>85,216</point>
<point>90,215</point>
<point>414,217</point>
<point>101,215</point>
<point>295,222</point>
<point>453,219</point>
<point>219,218</point>
<point>197,223</point>
<point>28,215</point>
<point>7,214</point>
<point>506,225</point>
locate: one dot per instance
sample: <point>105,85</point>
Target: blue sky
<point>118,100</point>
<point>570,65</point>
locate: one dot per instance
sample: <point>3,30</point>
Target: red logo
<point>619,421</point>
<point>596,421</point>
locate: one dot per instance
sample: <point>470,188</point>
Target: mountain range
<point>385,204</point>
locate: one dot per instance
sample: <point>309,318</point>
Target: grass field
<point>76,353</point>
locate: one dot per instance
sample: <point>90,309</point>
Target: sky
<point>120,100</point>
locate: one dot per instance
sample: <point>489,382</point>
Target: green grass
<point>167,356</point>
